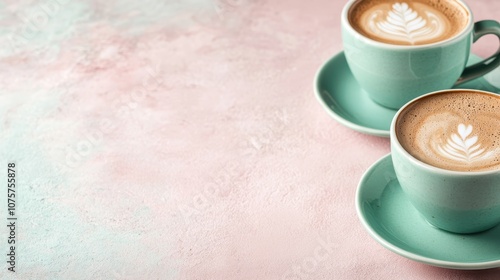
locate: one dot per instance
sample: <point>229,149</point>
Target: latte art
<point>464,147</point>
<point>456,130</point>
<point>401,23</point>
<point>410,22</point>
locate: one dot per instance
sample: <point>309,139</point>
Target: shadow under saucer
<point>392,221</point>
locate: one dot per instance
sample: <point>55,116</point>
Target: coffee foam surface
<point>454,131</point>
<point>413,22</point>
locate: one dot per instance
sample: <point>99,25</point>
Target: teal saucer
<point>343,99</point>
<point>392,221</point>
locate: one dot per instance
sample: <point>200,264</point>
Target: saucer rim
<point>333,114</point>
<point>400,251</point>
<point>350,124</point>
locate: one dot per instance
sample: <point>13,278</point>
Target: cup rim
<point>468,28</point>
<point>396,144</point>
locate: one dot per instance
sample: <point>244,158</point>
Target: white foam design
<point>405,24</point>
<point>463,146</point>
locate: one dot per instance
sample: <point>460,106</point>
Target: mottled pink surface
<point>182,140</point>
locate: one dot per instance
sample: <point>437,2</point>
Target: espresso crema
<point>455,131</point>
<point>410,22</point>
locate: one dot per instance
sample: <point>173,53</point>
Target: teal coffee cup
<point>445,149</point>
<point>399,50</point>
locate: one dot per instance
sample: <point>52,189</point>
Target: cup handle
<point>477,70</point>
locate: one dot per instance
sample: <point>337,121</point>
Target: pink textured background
<point>182,140</point>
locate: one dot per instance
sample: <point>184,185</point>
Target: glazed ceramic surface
<point>394,74</point>
<point>343,99</point>
<point>391,219</point>
<point>458,201</point>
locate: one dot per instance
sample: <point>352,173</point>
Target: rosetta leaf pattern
<point>402,21</point>
<point>463,146</point>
